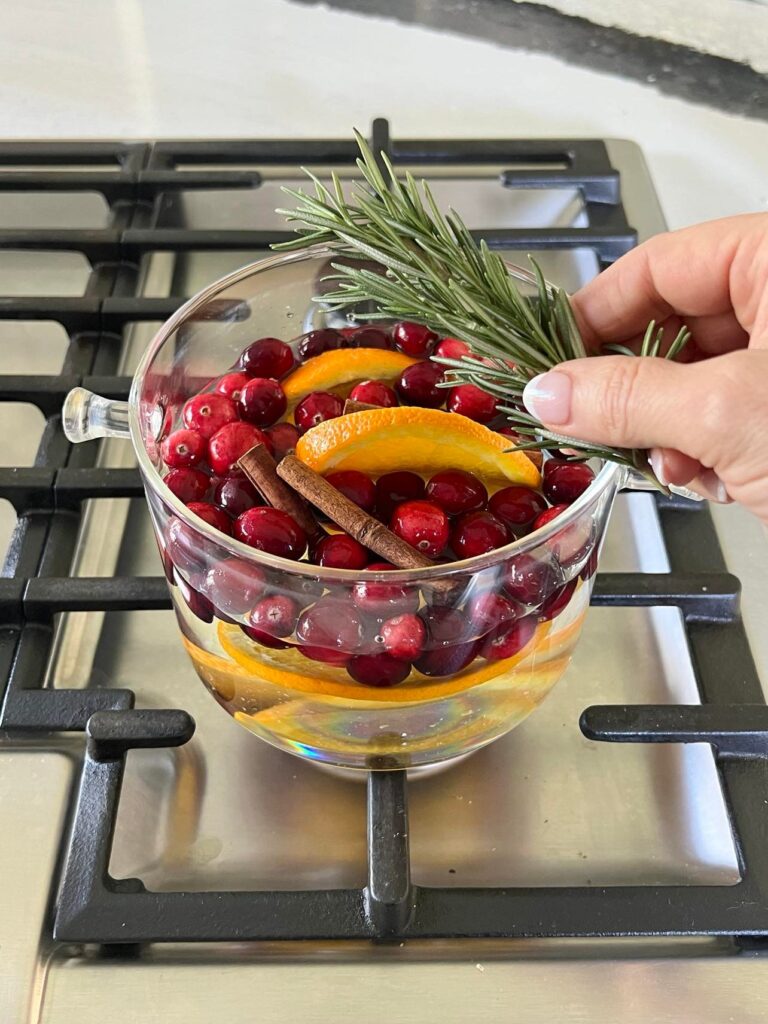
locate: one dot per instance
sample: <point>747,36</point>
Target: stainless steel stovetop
<point>542,806</point>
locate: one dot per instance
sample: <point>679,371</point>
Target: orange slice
<point>333,370</point>
<point>380,441</point>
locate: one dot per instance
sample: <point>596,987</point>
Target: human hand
<point>705,417</point>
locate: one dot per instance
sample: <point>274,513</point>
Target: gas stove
<point>159,863</point>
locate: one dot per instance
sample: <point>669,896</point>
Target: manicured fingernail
<point>712,487</point>
<point>657,465</point>
<point>548,397</point>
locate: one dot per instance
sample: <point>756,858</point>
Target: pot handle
<point>86,416</point>
<point>634,481</point>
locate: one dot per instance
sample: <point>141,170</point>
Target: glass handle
<point>86,416</point>
<point>637,482</point>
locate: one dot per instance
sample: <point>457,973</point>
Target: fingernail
<point>548,397</point>
<point>656,460</point>
<point>711,486</point>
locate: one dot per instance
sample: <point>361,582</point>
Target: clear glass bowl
<point>475,680</point>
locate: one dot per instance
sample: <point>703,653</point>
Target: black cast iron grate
<point>48,499</point>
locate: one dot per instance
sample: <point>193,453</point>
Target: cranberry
<point>564,482</point>
<point>183,548</point>
<point>267,357</point>
<point>394,488</point>
<point>489,611</point>
<point>423,525</point>
<point>383,600</point>
<point>208,413</point>
<point>183,449</point>
<point>403,637</point>
<point>283,437</point>
<point>231,384</point>
<point>271,530</point>
<point>590,568</point>
<point>262,401</point>
<point>548,515</point>
<point>414,339</point>
<point>231,443</point>
<point>212,515</point>
<point>356,486</point>
<point>340,551</point>
<point>330,631</point>
<point>234,585</point>
<point>475,533</point>
<point>474,403</point>
<point>197,603</point>
<point>456,491</point>
<point>448,648</point>
<point>374,392</point>
<point>506,431</point>
<point>187,484</point>
<point>378,670</point>
<point>317,407</point>
<point>418,385</point>
<point>557,601</point>
<point>235,495</point>
<point>452,348</point>
<point>517,507</point>
<point>528,579</point>
<point>370,337</point>
<point>271,619</point>
<point>317,342</point>
<point>509,639</point>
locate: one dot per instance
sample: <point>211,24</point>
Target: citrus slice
<point>424,441</point>
<point>333,370</point>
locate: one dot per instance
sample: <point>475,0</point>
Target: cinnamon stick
<point>259,466</point>
<point>352,406</point>
<point>349,516</point>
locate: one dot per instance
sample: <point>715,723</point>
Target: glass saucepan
<point>475,678</point>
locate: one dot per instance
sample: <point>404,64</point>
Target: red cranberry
<point>231,384</point>
<point>197,603</point>
<point>187,484</point>
<point>478,532</point>
<point>557,601</point>
<point>418,385</point>
<point>234,585</point>
<point>470,401</point>
<point>374,392</point>
<point>564,482</point>
<point>235,495</point>
<point>423,525</point>
<point>370,337</point>
<point>378,670</point>
<point>231,443</point>
<point>330,631</point>
<point>403,637</point>
<point>383,600</point>
<point>262,401</point>
<point>394,488</point>
<point>283,437</point>
<point>317,407</point>
<point>509,639</point>
<point>414,339</point>
<point>452,348</point>
<point>212,515</point>
<point>548,515</point>
<point>356,486</point>
<point>317,342</point>
<point>517,507</point>
<point>183,549</point>
<point>528,579</point>
<point>267,357</point>
<point>509,432</point>
<point>208,413</point>
<point>456,491</point>
<point>489,611</point>
<point>340,551</point>
<point>183,449</point>
<point>590,568</point>
<point>271,619</point>
<point>448,649</point>
<point>271,530</point>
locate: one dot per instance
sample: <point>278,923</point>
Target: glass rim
<point>607,474</point>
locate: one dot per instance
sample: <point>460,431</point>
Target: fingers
<point>687,272</point>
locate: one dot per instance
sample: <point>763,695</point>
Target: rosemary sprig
<point>431,270</point>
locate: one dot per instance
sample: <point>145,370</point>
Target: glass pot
<point>478,675</point>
